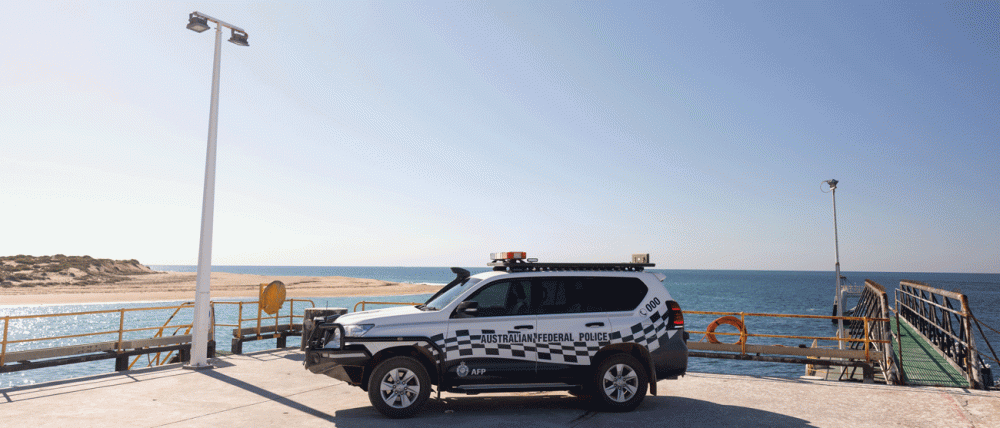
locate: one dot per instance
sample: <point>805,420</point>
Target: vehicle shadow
<point>547,409</point>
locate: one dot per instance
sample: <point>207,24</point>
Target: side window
<point>504,298</point>
<point>559,295</point>
<point>570,295</point>
<point>603,294</point>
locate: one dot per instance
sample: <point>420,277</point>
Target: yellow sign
<point>272,296</point>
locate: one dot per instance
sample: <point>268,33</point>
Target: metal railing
<point>279,330</point>
<point>744,334</point>
<point>852,289</point>
<point>260,318</point>
<point>163,341</point>
<point>874,303</point>
<point>166,324</point>
<point>866,358</point>
<point>118,347</point>
<point>945,320</point>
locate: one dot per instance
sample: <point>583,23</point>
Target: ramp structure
<point>936,341</point>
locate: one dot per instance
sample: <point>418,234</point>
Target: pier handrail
<point>119,345</point>
<point>930,311</point>
<point>873,352</point>
<point>874,302</point>
<point>745,334</point>
<point>119,348</point>
<point>979,325</point>
<point>160,334</point>
<point>259,319</point>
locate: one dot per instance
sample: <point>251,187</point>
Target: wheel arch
<point>637,351</point>
<point>416,352</point>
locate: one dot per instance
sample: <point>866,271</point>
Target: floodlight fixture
<point>239,38</point>
<point>197,23</point>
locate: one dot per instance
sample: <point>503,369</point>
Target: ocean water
<point>779,292</point>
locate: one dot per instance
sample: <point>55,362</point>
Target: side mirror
<point>466,309</point>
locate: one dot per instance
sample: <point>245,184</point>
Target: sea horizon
<point>219,268</point>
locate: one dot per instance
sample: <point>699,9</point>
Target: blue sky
<point>433,133</point>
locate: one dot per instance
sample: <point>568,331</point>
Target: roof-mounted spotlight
<point>239,38</point>
<point>197,23</point>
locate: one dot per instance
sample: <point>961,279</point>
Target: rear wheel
<point>399,387</point>
<point>620,383</point>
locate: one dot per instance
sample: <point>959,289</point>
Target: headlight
<point>333,339</point>
<point>350,330</point>
<point>357,330</point>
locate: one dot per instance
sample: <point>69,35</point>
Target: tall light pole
<point>199,340</point>
<point>839,296</point>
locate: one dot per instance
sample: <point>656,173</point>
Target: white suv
<point>603,330</point>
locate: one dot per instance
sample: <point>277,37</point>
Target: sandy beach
<point>181,286</point>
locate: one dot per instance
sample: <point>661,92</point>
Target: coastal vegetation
<point>28,271</point>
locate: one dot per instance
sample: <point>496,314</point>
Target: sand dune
<point>181,286</point>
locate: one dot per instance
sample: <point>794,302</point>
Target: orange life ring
<point>730,320</point>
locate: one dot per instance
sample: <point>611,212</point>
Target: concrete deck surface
<point>271,389</point>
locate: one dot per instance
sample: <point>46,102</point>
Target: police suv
<point>603,330</point>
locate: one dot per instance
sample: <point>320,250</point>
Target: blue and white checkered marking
<point>469,344</point>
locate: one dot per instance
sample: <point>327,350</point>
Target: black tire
<point>620,383</point>
<point>399,387</point>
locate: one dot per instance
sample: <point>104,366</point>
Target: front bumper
<point>341,364</point>
<point>326,353</point>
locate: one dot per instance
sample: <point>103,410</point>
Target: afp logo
<point>464,370</point>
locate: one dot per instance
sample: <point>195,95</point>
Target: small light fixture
<point>197,23</point>
<point>239,38</point>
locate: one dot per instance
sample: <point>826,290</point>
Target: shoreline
<point>174,286</point>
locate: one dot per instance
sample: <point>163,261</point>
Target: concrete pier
<point>271,389</point>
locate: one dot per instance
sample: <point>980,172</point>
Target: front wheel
<point>620,383</point>
<point>399,387</point>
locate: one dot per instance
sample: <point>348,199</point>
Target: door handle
<point>523,327</point>
<point>595,324</point>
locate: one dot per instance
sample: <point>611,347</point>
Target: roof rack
<point>522,266</point>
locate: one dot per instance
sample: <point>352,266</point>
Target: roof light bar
<point>517,261</point>
<point>509,255</point>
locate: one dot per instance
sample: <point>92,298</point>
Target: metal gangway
<point>928,338</point>
<point>936,341</point>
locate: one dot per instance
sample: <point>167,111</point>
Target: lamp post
<point>199,340</point>
<point>839,296</point>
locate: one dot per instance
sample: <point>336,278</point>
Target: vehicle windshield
<point>448,294</point>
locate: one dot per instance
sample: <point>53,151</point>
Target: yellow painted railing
<point>160,330</point>
<point>120,331</point>
<point>744,332</point>
<point>260,318</point>
<point>187,330</point>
